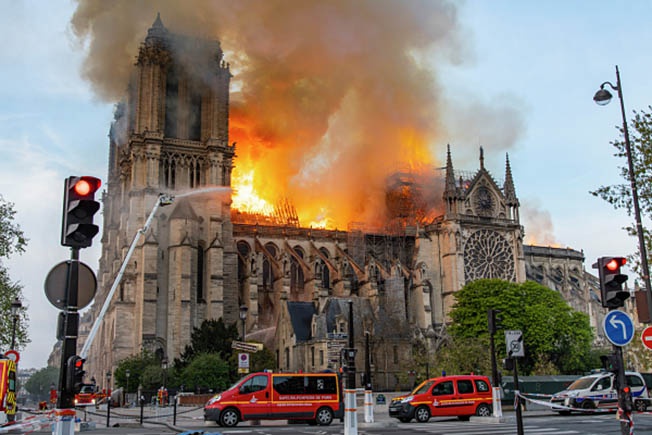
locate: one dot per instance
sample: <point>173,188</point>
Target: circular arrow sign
<point>618,327</point>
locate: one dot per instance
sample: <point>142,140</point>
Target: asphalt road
<point>541,422</point>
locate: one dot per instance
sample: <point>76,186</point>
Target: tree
<point>39,384</point>
<point>263,359</point>
<point>551,328</point>
<point>207,371</point>
<point>463,355</point>
<point>620,195</point>
<point>144,369</point>
<point>12,240</point>
<point>212,336</point>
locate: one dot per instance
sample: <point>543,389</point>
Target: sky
<point>543,60</point>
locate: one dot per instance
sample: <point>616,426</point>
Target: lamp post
<point>16,305</point>
<point>243,317</point>
<point>603,97</point>
<point>164,366</point>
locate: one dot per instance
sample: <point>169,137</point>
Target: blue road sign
<point>618,327</point>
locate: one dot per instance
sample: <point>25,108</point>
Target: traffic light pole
<point>65,412</point>
<point>495,390</point>
<point>624,401</point>
<point>66,399</point>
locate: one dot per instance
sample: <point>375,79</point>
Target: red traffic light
<point>86,185</point>
<point>614,263</point>
<point>79,363</point>
<point>627,390</point>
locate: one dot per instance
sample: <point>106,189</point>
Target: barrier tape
<point>145,417</point>
<point>39,421</point>
<point>30,424</point>
<point>559,407</point>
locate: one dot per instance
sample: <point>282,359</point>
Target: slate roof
<point>301,318</point>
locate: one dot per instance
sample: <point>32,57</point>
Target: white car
<point>599,391</point>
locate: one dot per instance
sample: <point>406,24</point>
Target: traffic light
<point>75,374</point>
<point>79,206</point>
<point>627,403</point>
<point>495,321</point>
<point>610,363</point>
<point>611,281</point>
<point>508,364</point>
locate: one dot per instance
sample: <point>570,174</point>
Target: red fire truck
<point>88,395</point>
<point>7,390</point>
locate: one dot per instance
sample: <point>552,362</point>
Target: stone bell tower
<point>170,135</point>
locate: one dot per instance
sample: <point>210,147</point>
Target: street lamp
<point>16,305</point>
<point>603,97</point>
<point>164,366</point>
<point>243,317</point>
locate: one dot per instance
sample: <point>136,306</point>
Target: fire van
<point>87,395</point>
<point>315,398</point>
<point>7,389</point>
<point>458,395</point>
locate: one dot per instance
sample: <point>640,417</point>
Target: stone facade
<point>201,261</point>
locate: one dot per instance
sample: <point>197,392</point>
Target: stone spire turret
<point>450,191</point>
<point>508,187</point>
<point>510,193</point>
<point>481,158</point>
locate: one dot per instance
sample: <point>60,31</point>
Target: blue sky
<point>547,59</point>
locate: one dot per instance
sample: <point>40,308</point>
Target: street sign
<point>514,342</point>
<point>618,326</point>
<point>246,347</point>
<point>13,355</point>
<point>56,284</point>
<point>646,337</point>
<point>335,344</point>
<point>338,335</point>
<point>243,363</point>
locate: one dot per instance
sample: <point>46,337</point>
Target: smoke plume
<point>328,98</point>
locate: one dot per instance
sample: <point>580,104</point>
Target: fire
<point>245,197</point>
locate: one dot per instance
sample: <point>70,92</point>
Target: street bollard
<point>108,411</point>
<point>368,407</point>
<point>497,406</point>
<point>350,413</point>
<point>142,406</point>
<point>174,416</point>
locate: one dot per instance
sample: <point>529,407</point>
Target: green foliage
<point>551,328</point>
<point>144,369</point>
<point>263,359</point>
<point>212,336</point>
<point>152,377</point>
<point>12,240</point>
<point>38,385</point>
<point>463,355</point>
<point>620,195</point>
<point>207,370</point>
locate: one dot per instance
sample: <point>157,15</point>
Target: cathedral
<point>203,260</point>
